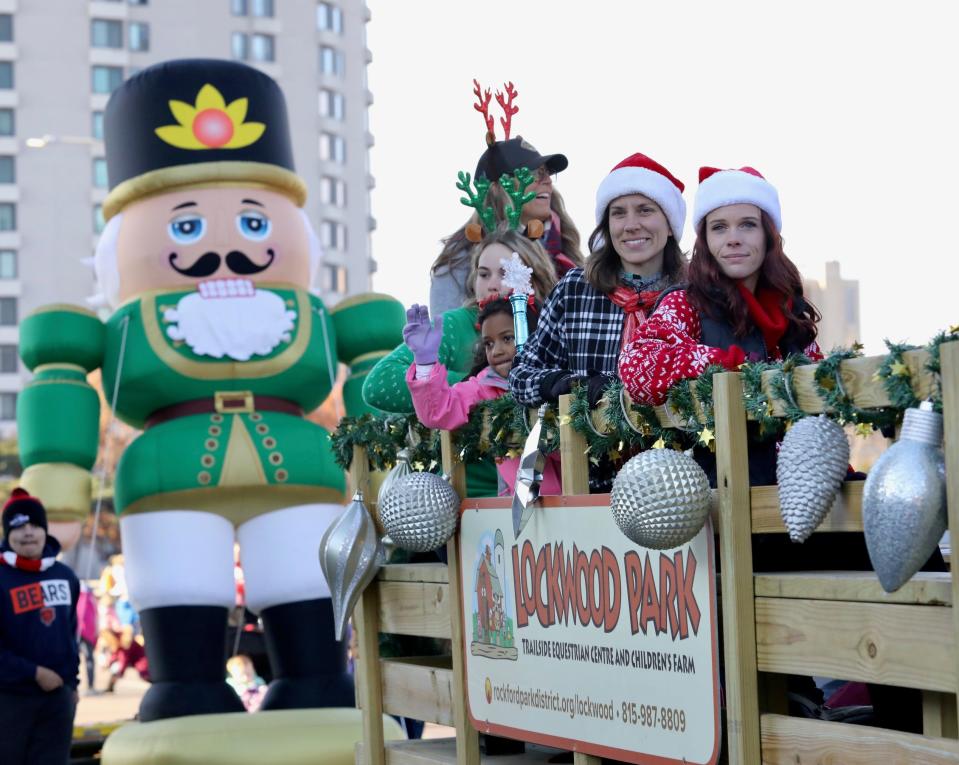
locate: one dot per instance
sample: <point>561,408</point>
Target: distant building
<point>838,301</point>
<point>59,62</point>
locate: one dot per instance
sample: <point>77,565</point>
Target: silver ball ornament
<point>660,498</point>
<point>904,500</point>
<point>810,469</point>
<point>420,511</point>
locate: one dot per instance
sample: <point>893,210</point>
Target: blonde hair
<point>530,252</point>
<point>497,198</point>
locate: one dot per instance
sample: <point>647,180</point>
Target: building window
<point>8,406</point>
<point>332,105</point>
<point>6,27</point>
<point>98,221</point>
<point>7,122</point>
<point>8,311</point>
<point>138,36</point>
<point>8,216</point>
<point>8,170</point>
<point>332,148</point>
<point>139,2</point>
<point>333,235</point>
<point>106,78</point>
<point>6,75</point>
<point>262,48</point>
<point>106,33</point>
<point>329,18</point>
<point>334,278</point>
<point>262,8</point>
<point>331,61</point>
<point>238,7</point>
<point>96,125</point>
<point>8,359</point>
<point>241,46</point>
<point>8,264</point>
<point>333,191</point>
<point>100,173</point>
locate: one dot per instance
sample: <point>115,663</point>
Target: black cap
<point>509,156</point>
<point>21,509</point>
<point>193,120</point>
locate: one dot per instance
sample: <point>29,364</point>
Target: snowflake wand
<point>516,276</point>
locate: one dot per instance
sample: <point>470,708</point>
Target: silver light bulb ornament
<point>904,499</point>
<point>350,556</point>
<point>810,469</point>
<point>660,498</point>
<point>420,512</point>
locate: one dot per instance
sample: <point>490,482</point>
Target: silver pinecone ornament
<point>420,511</point>
<point>810,469</point>
<point>660,498</point>
<point>350,556</point>
<point>904,499</point>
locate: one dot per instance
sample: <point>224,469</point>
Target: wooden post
<point>950,411</point>
<point>735,536</point>
<point>467,739</point>
<point>369,682</point>
<point>572,449</point>
<point>360,473</point>
<point>367,679</point>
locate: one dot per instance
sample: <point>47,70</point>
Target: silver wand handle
<point>520,326</point>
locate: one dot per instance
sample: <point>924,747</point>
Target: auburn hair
<point>717,296</point>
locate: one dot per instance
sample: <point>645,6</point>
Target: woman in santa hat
<point>595,311</point>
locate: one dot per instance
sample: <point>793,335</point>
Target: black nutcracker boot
<point>309,664</point>
<point>186,653</point>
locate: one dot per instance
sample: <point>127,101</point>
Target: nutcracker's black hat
<point>196,122</point>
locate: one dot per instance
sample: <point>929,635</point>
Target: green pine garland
<point>498,428</point>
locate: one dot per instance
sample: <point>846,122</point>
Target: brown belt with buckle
<point>224,402</point>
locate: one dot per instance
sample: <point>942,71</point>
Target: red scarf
<point>13,560</point>
<point>765,309</point>
<point>634,305</point>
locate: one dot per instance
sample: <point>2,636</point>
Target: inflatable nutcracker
<point>215,348</point>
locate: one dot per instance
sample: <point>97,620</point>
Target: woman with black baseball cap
<point>449,286</point>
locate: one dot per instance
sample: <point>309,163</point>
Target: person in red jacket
<point>744,300</point>
<point>39,661</point>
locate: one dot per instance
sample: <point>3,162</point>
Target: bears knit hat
<point>718,188</point>
<point>638,174</point>
<point>21,509</point>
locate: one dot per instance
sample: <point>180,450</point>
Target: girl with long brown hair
<point>744,299</point>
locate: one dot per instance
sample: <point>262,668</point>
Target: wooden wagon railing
<point>810,623</point>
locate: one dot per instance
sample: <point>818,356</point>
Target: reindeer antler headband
<point>505,102</point>
<point>514,184</point>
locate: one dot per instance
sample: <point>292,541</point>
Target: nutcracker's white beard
<point>230,317</point>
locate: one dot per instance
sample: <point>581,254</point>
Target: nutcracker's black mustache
<point>209,262</point>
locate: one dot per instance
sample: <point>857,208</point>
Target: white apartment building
<point>59,62</point>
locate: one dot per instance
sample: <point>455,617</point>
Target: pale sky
<point>846,107</point>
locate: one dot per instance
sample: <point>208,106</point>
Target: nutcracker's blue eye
<point>253,225</point>
<point>187,229</point>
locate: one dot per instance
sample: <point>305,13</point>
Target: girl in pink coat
<point>441,405</point>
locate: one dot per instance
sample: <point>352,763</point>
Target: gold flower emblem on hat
<point>210,123</point>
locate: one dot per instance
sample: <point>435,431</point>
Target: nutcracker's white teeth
<point>226,288</point>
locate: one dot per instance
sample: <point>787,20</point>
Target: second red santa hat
<point>718,188</point>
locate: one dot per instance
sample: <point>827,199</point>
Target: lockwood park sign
<point>574,622</point>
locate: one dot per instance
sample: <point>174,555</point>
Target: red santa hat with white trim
<point>638,174</point>
<point>718,188</point>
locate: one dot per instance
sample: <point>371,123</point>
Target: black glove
<point>555,384</point>
<point>596,385</point>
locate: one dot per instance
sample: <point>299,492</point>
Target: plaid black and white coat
<point>579,331</point>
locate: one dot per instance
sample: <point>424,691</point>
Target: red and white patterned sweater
<point>666,349</point>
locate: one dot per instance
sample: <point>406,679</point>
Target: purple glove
<point>420,337</point>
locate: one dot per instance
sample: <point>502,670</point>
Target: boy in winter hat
<point>39,662</point>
